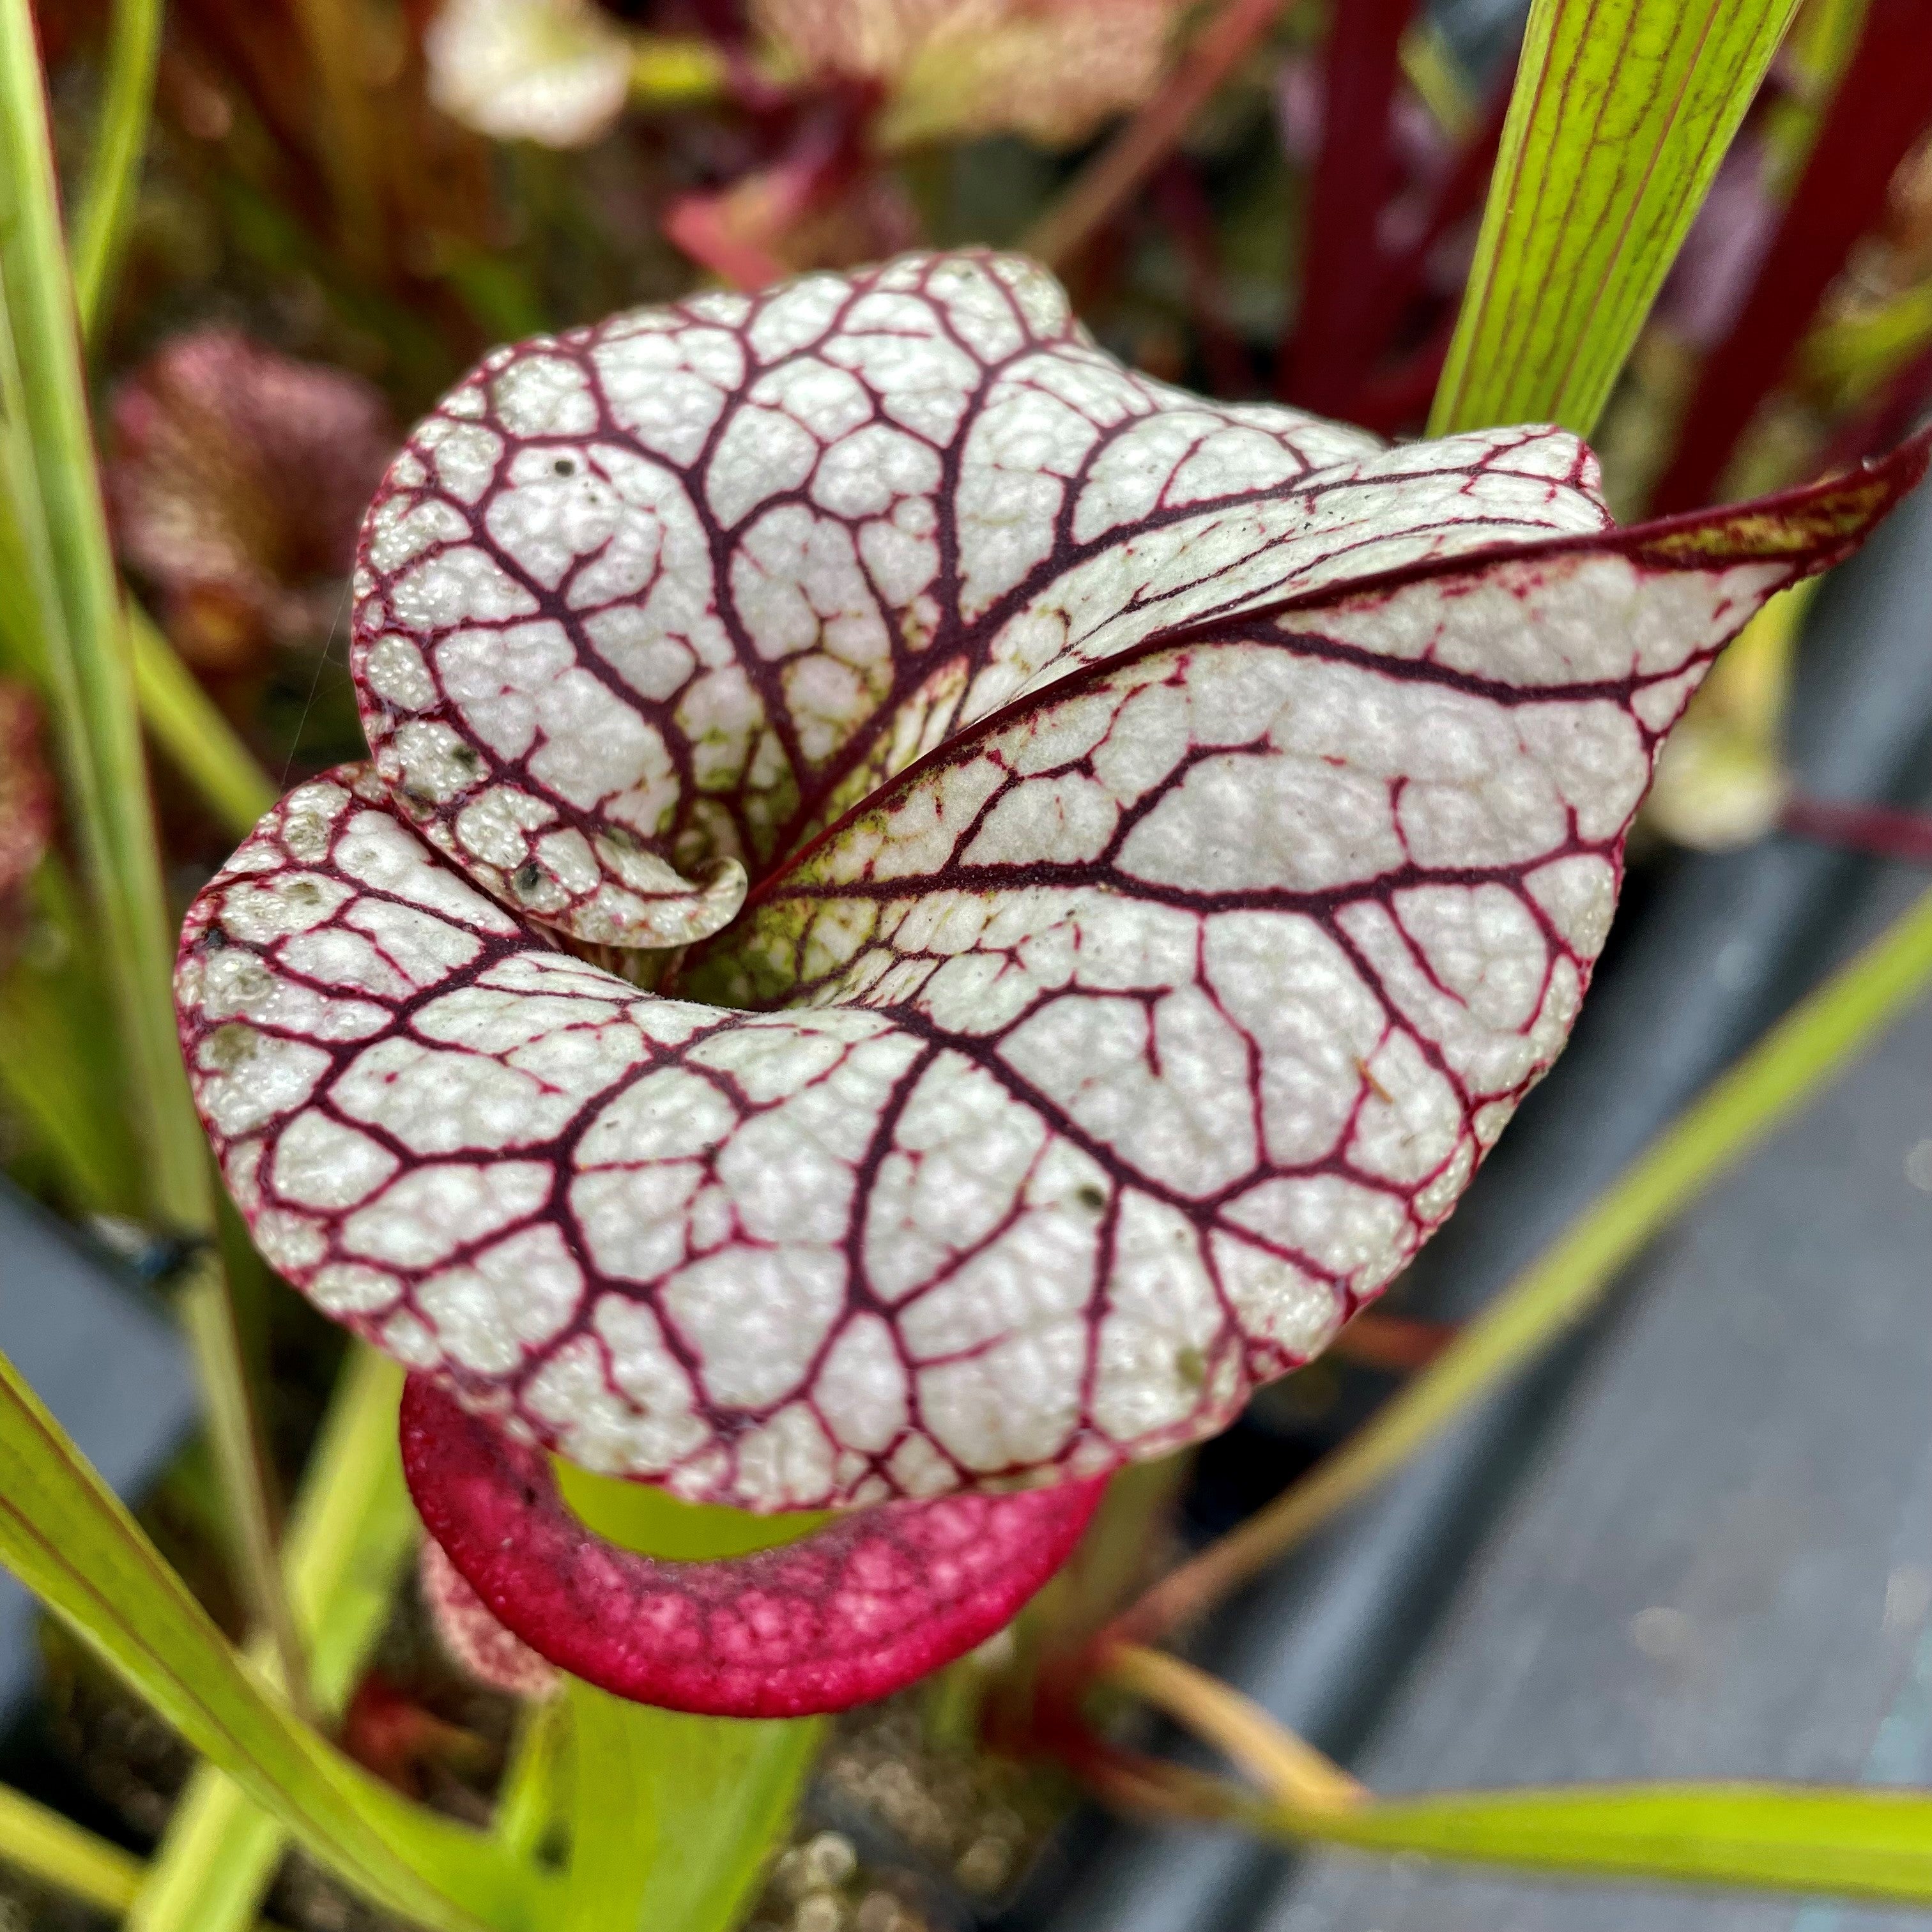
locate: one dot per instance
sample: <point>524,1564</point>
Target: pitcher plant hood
<point>928,911</point>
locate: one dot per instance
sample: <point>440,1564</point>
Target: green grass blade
<point>351,1530</point>
<point>197,740</point>
<point>58,516</point>
<point>114,171</point>
<point>207,1312</point>
<point>58,1059</point>
<point>180,717</point>
<point>1871,1844</point>
<point>1814,60</point>
<point>528,1800</point>
<point>62,523</point>
<point>50,1092</point>
<point>1850,356</point>
<point>353,1526</point>
<point>71,1541</point>
<point>59,1055</point>
<point>20,644</point>
<point>1621,111</point>
<point>221,1855</point>
<point>56,1852</point>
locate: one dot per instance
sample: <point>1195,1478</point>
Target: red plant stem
<point>1182,205</point>
<point>1341,267</point>
<point>1878,831</point>
<point>1092,278</point>
<point>221,49</point>
<point>1458,194</point>
<point>1102,188</point>
<point>1395,398</point>
<point>1880,110</point>
<point>1398,398</point>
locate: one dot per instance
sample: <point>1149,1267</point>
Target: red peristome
<point>877,1600</point>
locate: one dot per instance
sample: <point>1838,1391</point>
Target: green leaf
<point>1871,1844</point>
<point>58,1853</point>
<point>180,717</point>
<point>188,726</point>
<point>219,1855</point>
<point>672,1816</point>
<point>724,1792</point>
<point>58,1059</point>
<point>1851,355</point>
<point>76,613</point>
<point>1814,60</point>
<point>1621,111</point>
<point>113,175</point>
<point>616,1837</point>
<point>351,1531</point>
<point>70,1540</point>
<point>47,460</point>
<point>527,1800</point>
<point>19,646</point>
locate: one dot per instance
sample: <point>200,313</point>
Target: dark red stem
<point>1326,357</point>
<point>1397,398</point>
<point>1398,1344</point>
<point>1102,187</point>
<point>1879,831</point>
<point>1458,194</point>
<point>1880,110</point>
<point>1183,205</point>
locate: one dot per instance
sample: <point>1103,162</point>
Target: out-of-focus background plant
<point>289,225</point>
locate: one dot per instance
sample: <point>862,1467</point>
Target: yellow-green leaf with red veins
<point>1178,834</point>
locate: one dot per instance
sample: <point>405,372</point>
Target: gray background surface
<point>107,1362</point>
<point>1723,1566</point>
